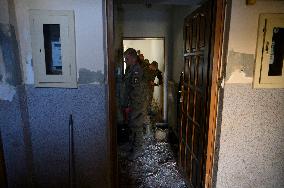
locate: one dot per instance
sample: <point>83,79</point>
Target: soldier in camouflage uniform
<point>150,74</point>
<point>134,96</point>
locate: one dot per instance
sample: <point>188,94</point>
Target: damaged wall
<point>10,70</point>
<point>13,123</point>
<point>243,37</point>
<point>11,73</point>
<point>251,143</point>
<point>89,34</point>
<point>240,67</point>
<point>34,121</point>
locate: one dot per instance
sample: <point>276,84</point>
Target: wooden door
<point>195,119</point>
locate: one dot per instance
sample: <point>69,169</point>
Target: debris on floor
<point>152,164</point>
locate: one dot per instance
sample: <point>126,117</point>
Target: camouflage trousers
<point>150,97</point>
<point>137,121</point>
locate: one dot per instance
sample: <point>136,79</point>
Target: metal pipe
<point>71,154</point>
<point>3,175</point>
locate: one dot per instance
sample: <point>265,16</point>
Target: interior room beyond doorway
<point>153,50</point>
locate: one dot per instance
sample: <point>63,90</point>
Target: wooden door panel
<point>195,94</point>
<point>187,32</point>
<point>202,62</point>
<point>202,29</point>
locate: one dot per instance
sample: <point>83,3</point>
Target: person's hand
<point>126,110</point>
<point>152,83</point>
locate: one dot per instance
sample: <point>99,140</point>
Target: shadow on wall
<point>87,77</point>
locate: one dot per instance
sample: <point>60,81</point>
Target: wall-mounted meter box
<point>269,69</point>
<point>53,48</point>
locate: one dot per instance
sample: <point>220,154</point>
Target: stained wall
<point>251,147</point>
<point>34,122</point>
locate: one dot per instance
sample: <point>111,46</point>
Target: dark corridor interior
<point>153,162</point>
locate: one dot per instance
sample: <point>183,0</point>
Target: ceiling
<point>165,2</point>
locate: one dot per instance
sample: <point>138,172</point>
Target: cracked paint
<point>7,92</point>
<point>239,67</point>
<point>88,77</point>
<point>9,55</point>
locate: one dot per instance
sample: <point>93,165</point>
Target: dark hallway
<point>185,29</point>
<point>152,164</point>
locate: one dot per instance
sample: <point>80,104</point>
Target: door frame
<point>219,14</point>
<point>217,76</point>
<point>112,168</point>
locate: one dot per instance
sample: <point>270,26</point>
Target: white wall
<point>244,28</point>
<point>244,23</point>
<point>89,29</point>
<point>38,146</point>
<point>139,21</point>
<point>4,13</point>
<point>251,142</point>
<point>152,49</point>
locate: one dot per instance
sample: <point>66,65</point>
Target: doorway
<point>214,53</point>
<point>152,49</point>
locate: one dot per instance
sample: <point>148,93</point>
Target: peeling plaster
<point>240,67</point>
<point>29,71</point>
<point>88,77</point>
<point>7,92</point>
<point>9,55</point>
<point>238,76</point>
<point>10,70</point>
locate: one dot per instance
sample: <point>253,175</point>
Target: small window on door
<point>269,69</point>
<point>53,46</point>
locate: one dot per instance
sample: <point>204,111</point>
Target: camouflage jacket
<point>150,75</point>
<point>134,86</point>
